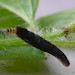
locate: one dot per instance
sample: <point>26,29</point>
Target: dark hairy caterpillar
<point>39,43</point>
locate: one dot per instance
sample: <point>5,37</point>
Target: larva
<point>39,43</point>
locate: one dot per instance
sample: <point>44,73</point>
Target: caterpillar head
<point>10,30</point>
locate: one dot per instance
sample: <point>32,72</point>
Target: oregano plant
<point>57,28</point>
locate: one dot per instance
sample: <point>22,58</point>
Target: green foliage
<point>8,19</point>
<point>17,55</point>
<point>23,8</point>
<point>55,26</point>
<point>18,12</point>
<point>57,20</point>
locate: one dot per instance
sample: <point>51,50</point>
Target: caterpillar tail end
<point>66,62</point>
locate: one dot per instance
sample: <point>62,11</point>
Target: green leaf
<point>16,44</point>
<point>64,43</point>
<point>54,28</point>
<point>21,51</point>
<point>10,43</point>
<point>15,54</point>
<point>23,8</point>
<point>21,59</point>
<point>34,6</point>
<point>8,19</point>
<point>57,20</point>
<point>18,56</point>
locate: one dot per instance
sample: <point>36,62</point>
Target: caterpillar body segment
<point>39,43</point>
